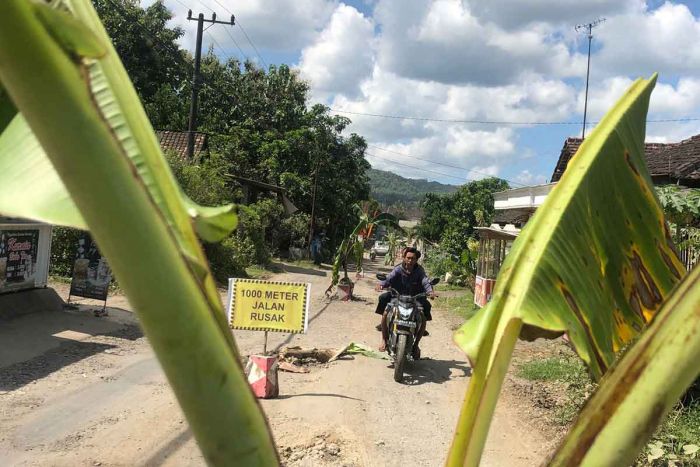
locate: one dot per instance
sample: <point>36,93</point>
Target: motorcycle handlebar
<point>396,292</point>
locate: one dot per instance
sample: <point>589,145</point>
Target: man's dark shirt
<point>408,283</point>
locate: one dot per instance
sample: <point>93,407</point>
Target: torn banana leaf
<point>637,393</point>
<point>80,115</point>
<point>596,261</point>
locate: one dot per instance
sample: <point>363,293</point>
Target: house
<point>668,163</point>
<point>176,141</point>
<point>513,209</point>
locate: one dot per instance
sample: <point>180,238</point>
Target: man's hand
<point>378,287</point>
<point>433,295</point>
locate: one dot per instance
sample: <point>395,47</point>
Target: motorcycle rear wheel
<point>400,359</point>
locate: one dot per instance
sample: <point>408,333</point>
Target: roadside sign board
<point>259,305</point>
<point>91,273</point>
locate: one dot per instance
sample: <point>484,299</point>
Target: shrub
<point>64,241</point>
<point>230,257</point>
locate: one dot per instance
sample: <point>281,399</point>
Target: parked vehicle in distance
<point>380,248</point>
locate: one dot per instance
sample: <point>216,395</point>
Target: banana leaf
<point>89,158</point>
<point>350,244</point>
<point>638,392</point>
<point>595,262</point>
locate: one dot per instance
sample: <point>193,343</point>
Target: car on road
<point>380,248</point>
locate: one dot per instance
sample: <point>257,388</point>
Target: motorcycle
<point>403,321</point>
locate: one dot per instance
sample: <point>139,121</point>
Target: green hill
<point>398,194</point>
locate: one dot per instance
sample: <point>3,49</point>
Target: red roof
<point>667,162</point>
<point>177,141</point>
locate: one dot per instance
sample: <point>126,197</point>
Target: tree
<point>450,219</point>
<point>156,65</point>
<point>437,215</point>
<point>258,122</point>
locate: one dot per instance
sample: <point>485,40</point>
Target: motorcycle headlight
<point>405,312</point>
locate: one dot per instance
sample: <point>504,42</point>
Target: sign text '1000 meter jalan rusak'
<point>268,305</point>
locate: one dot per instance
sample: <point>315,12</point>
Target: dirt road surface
<point>76,389</point>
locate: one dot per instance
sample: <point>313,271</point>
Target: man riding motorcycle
<point>408,278</point>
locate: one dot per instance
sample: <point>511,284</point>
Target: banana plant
<point>596,262</point>
<point>351,246</point>
<point>394,243</point>
<point>77,149</point>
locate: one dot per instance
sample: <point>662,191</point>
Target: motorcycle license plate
<point>409,324</point>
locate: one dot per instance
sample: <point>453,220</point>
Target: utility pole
<point>313,205</point>
<point>589,28</point>
<point>192,127</point>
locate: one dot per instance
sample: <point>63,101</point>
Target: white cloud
<point>666,40</point>
<point>341,56</point>
<point>518,13</point>
<point>496,60</point>
<point>536,100</point>
<point>443,41</point>
<point>525,177</point>
<point>667,100</point>
<point>282,25</point>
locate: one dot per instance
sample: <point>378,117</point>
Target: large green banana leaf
<point>595,262</point>
<point>637,393</point>
<point>83,153</point>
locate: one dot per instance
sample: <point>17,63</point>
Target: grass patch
<point>551,369</point>
<point>450,287</point>
<point>681,427</point>
<point>461,304</point>
<point>679,432</point>
<point>567,371</point>
<point>258,272</point>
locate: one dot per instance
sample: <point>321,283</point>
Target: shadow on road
<point>59,351</point>
<point>435,371</point>
<point>160,456</point>
<point>298,269</point>
<point>289,338</point>
<point>289,396</point>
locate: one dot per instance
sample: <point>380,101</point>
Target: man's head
<point>410,258</point>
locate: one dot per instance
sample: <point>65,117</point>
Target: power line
<point>243,54</point>
<point>446,120</point>
<point>441,163</point>
<point>227,31</point>
<point>422,169</point>
<point>253,45</point>
<point>214,42</point>
<point>238,23</point>
<point>495,122</point>
<point>223,6</point>
<point>160,44</point>
<point>407,165</point>
<point>206,6</point>
<point>414,167</point>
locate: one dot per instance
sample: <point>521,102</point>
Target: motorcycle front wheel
<point>400,358</point>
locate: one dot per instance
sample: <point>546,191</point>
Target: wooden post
<point>265,345</point>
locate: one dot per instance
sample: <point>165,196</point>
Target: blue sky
<point>507,64</point>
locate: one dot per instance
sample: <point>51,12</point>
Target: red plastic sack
<point>261,371</point>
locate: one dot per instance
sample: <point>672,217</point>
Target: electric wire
<point>441,163</point>
<point>495,122</point>
<point>462,179</point>
<point>253,45</point>
<point>238,23</point>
